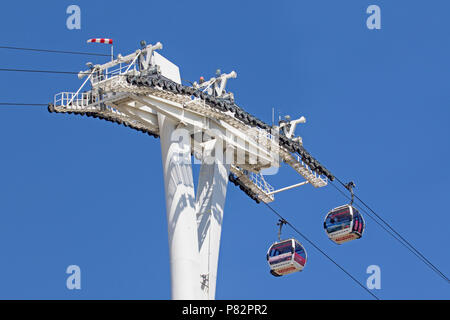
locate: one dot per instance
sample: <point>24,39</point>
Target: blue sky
<point>76,190</point>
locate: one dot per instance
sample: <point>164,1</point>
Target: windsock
<point>100,40</point>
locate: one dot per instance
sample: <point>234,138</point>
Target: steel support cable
<point>213,102</point>
<point>405,242</point>
<point>412,249</point>
<point>37,71</point>
<point>393,233</point>
<point>379,223</point>
<point>46,71</point>
<point>55,51</point>
<point>321,251</point>
<point>23,104</point>
<point>93,114</point>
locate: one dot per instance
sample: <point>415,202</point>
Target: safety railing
<point>260,182</point>
<point>114,71</point>
<point>316,176</point>
<point>73,100</point>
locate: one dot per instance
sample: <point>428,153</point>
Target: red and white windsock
<point>100,40</point>
<point>104,40</point>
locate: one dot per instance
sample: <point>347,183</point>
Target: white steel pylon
<point>210,202</point>
<point>143,91</point>
<point>194,223</point>
<point>180,208</point>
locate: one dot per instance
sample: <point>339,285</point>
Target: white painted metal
<point>194,221</point>
<point>148,51</point>
<point>216,85</point>
<point>293,124</point>
<point>238,138</point>
<point>288,188</point>
<point>262,190</point>
<point>181,218</point>
<point>211,194</point>
<point>168,69</point>
<point>197,115</point>
<point>261,183</point>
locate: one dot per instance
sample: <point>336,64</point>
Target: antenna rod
<point>273,116</point>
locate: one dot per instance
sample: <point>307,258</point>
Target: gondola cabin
<point>286,257</point>
<point>343,224</point>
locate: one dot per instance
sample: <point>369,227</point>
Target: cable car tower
<point>143,91</point>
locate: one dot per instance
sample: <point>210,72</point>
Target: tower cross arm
<point>127,59</point>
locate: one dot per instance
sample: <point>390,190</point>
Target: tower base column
<point>180,209</point>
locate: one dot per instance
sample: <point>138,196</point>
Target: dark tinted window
<point>338,220</point>
<point>280,248</point>
<point>358,225</point>
<point>299,250</point>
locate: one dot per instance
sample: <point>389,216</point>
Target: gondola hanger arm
<point>280,223</point>
<point>349,186</point>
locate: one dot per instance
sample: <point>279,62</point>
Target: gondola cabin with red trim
<point>286,257</point>
<point>343,224</point>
